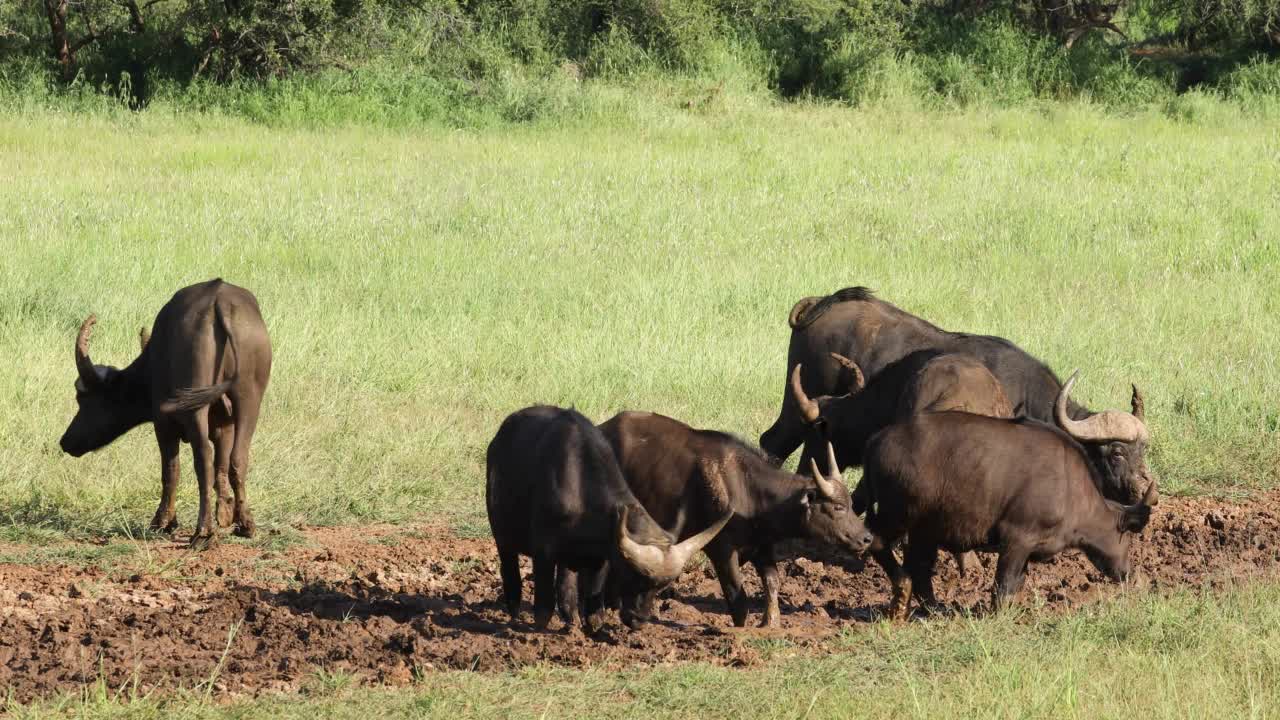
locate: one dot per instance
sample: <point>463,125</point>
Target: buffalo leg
<point>726,564</point>
<point>544,590</point>
<point>1011,571</point>
<point>246,422</point>
<point>767,567</point>
<point>223,438</point>
<point>900,582</point>
<point>920,559</point>
<point>567,595</point>
<point>206,534</point>
<point>591,595</point>
<point>509,568</point>
<point>166,517</point>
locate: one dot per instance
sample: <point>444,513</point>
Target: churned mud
<point>384,603</point>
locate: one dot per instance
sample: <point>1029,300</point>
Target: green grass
<point>421,285</point>
<point>1210,655</point>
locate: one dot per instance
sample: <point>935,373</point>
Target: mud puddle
<point>384,603</point>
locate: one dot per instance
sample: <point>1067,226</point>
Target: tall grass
<point>421,285</point>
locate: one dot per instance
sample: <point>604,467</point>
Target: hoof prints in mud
<point>384,603</point>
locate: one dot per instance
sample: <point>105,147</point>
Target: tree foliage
<point>821,47</point>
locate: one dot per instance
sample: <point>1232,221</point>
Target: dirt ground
<point>383,603</point>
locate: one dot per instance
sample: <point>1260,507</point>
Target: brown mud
<point>383,603</point>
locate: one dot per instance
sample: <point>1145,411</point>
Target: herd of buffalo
<point>967,443</point>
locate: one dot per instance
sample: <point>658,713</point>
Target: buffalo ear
<point>1135,518</point>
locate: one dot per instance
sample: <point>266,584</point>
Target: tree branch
<point>135,16</point>
<point>92,37</point>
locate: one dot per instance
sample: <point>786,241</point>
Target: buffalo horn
<point>1151,496</point>
<point>825,486</point>
<point>1139,407</point>
<point>808,408</point>
<point>833,466</point>
<point>679,554</point>
<point>144,337</point>
<point>88,374</point>
<point>663,564</point>
<point>1106,426</point>
<point>859,380</point>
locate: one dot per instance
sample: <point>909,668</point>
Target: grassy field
<point>421,285</point>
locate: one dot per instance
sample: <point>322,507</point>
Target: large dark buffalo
<point>875,334</point>
<point>923,381</point>
<point>687,478</point>
<point>200,377</point>
<point>1018,487</point>
<point>554,493</point>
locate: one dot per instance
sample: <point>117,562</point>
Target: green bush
<point>1260,77</point>
<point>992,60</point>
<point>468,62</point>
<point>1197,106</point>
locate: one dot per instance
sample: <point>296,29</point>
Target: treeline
<point>445,54</point>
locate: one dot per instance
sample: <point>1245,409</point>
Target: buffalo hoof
<point>164,527</point>
<point>592,623</point>
<point>226,513</point>
<point>633,621</point>
<point>245,529</point>
<point>772,617</point>
<point>542,618</point>
<point>203,541</point>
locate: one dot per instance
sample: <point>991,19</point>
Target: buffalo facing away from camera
<point>554,493</point>
<point>686,478</point>
<point>200,377</point>
<point>1017,487</point>
<point>874,334</point>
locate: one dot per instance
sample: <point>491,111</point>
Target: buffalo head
<point>1109,549</point>
<point>1116,443</point>
<point>110,401</point>
<point>826,417</point>
<point>828,510</point>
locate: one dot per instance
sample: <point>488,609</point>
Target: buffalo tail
<point>189,399</point>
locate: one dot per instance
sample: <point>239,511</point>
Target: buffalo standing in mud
<point>686,478</point>
<point>200,376</point>
<point>1018,487</point>
<point>874,334</point>
<point>554,493</point>
<point>924,381</point>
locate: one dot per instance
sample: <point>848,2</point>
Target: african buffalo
<point>200,376</point>
<point>686,478</point>
<point>874,334</point>
<point>923,381</point>
<point>554,493</point>
<point>1018,487</point>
